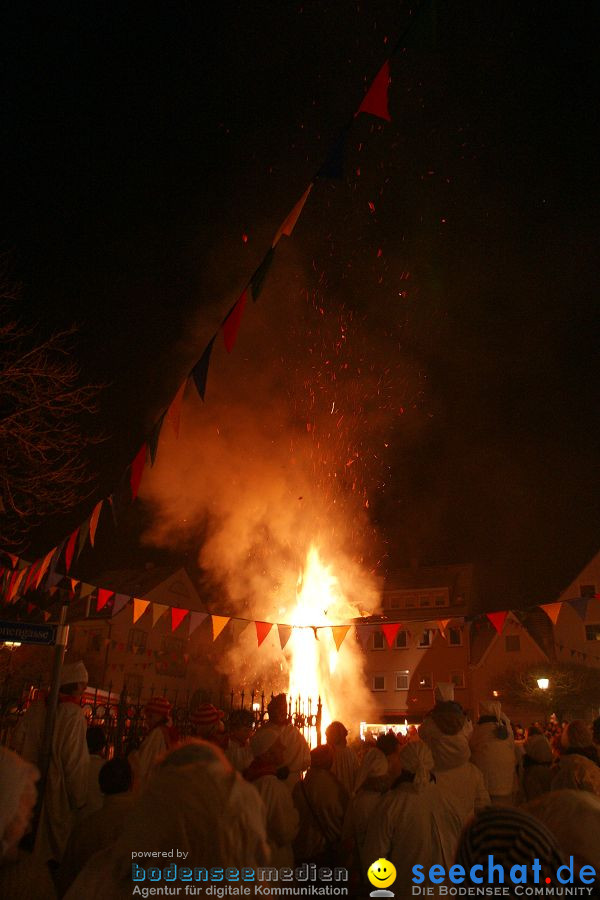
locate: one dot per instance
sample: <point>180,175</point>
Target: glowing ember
<point>315,665</point>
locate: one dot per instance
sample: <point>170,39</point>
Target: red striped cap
<point>207,714</point>
<point>160,706</point>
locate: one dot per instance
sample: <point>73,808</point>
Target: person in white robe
<point>160,738</point>
<point>321,800</point>
<point>239,731</point>
<point>296,752</point>
<point>282,816</point>
<point>345,762</point>
<point>22,876</point>
<point>67,781</point>
<point>193,801</point>
<point>96,742</point>
<point>416,822</point>
<point>371,781</point>
<point>447,730</point>
<point>493,752</point>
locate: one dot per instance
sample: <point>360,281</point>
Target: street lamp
<point>543,684</point>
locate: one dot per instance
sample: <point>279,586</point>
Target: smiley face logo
<point>381,873</point>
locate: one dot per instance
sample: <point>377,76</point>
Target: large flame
<point>315,666</point>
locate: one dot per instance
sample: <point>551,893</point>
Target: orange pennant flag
<point>74,583</point>
<point>442,624</point>
<point>174,411</point>
<point>139,608</point>
<point>157,610</point>
<point>71,548</point>
<point>94,521</point>
<point>285,632</point>
<point>552,610</point>
<point>290,223</point>
<point>44,566</point>
<point>339,632</point>
<point>177,616</point>
<point>262,630</point>
<point>46,615</point>
<point>218,624</point>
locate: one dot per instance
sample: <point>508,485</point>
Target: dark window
<point>512,643</point>
<point>425,639</point>
<point>402,680</point>
<point>587,590</point>
<point>94,644</point>
<point>458,679</point>
<point>378,642</point>
<point>379,682</point>
<point>401,642</point>
<point>454,637</point>
<point>136,639</point>
<point>425,681</point>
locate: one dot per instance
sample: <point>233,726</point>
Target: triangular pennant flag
<point>13,586</point>
<point>31,575</point>
<point>44,566</point>
<point>104,596</point>
<point>375,100</point>
<point>442,624</point>
<point>497,619</point>
<point>157,611</point>
<point>238,626</point>
<point>200,371</point>
<point>46,616</point>
<point>290,223</point>
<point>174,410</point>
<point>580,605</point>
<point>55,578</point>
<point>154,438</point>
<point>364,633</point>
<point>177,616</point>
<point>232,322</point>
<point>333,167</point>
<point>94,521</point>
<point>339,632</point>
<point>196,618</point>
<point>552,610</point>
<point>139,608</point>
<point>137,470</point>
<point>74,583</point>
<point>120,601</point>
<point>13,559</point>
<point>30,608</point>
<point>84,531</point>
<point>257,280</point>
<point>390,632</point>
<point>285,632</point>
<point>69,552</point>
<point>218,624</point>
<point>262,630</point>
<point>86,590</point>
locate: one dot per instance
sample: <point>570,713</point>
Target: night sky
<point>143,143</point>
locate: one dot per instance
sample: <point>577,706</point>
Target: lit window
<point>458,679</point>
<point>512,643</point>
<point>455,637</point>
<point>402,680</point>
<point>378,682</point>
<point>425,639</point>
<point>401,641</point>
<point>592,632</point>
<point>378,641</point>
<point>425,681</point>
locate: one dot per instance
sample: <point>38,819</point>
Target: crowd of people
<point>241,796</point>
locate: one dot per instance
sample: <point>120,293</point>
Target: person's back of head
<point>115,777</point>
<point>388,744</point>
<point>96,739</point>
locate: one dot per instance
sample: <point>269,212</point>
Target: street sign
<point>24,633</point>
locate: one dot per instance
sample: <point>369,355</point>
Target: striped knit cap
<point>513,838</point>
<point>206,715</point>
<point>160,706</point>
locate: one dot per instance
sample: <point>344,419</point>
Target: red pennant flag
<point>30,608</point>
<point>103,597</point>
<point>94,521</point>
<point>497,619</point>
<point>177,616</point>
<point>262,630</point>
<point>69,552</point>
<point>232,323</point>
<point>137,470</point>
<point>390,632</point>
<point>375,101</point>
<point>174,411</point>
